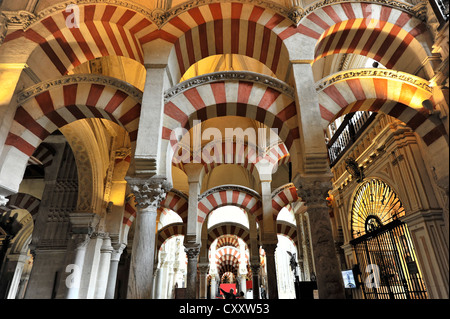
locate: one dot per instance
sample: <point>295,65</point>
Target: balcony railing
<point>347,133</point>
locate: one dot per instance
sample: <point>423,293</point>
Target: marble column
<point>271,270</point>
<point>13,288</point>
<point>213,285</point>
<point>103,268</point>
<point>73,281</point>
<point>192,238</point>
<point>112,275</point>
<point>255,277</point>
<point>269,235</point>
<point>192,250</point>
<point>203,271</point>
<point>243,282</point>
<point>82,227</point>
<point>328,273</point>
<point>149,192</point>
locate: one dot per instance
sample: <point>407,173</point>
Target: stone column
<point>103,268</point>
<point>82,226</point>
<point>159,274</point>
<point>328,273</point>
<point>243,282</point>
<point>203,270</point>
<point>13,288</point>
<point>269,235</point>
<point>213,285</point>
<point>149,192</point>
<point>73,281</point>
<point>192,239</point>
<point>255,279</point>
<point>112,276</point>
<point>271,270</point>
<point>192,250</point>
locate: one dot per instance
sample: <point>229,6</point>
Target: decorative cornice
<point>34,90</point>
<point>390,3</point>
<point>229,76</point>
<point>371,73</point>
<point>18,19</point>
<point>63,5</point>
<point>160,17</point>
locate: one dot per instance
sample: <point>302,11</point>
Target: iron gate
<point>388,264</point>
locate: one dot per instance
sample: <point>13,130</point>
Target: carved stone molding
<point>229,76</point>
<point>160,17</point>
<point>83,223</point>
<point>63,5</point>
<point>406,7</point>
<point>18,19</point>
<point>370,73</point>
<point>34,90</point>
<point>148,192</point>
<point>3,27</point>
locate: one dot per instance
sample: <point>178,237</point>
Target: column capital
<point>255,268</point>
<point>148,192</point>
<point>314,190</point>
<point>203,268</point>
<point>192,250</point>
<point>269,248</point>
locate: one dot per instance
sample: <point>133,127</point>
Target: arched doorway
<point>383,245</point>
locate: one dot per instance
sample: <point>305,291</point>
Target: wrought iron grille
<point>390,248</point>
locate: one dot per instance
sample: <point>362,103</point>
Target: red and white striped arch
<point>218,153</point>
<point>228,259</point>
<point>288,230</point>
<point>227,240</point>
<point>24,201</point>
<point>218,231</point>
<point>390,96</point>
<point>51,109</point>
<point>129,215</point>
<point>168,232</point>
<point>232,98</point>
<point>43,154</point>
<point>282,197</point>
<point>104,30</point>
<point>380,32</point>
<point>241,197</point>
<point>178,203</point>
<point>223,28</point>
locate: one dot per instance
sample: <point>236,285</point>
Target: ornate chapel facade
<point>163,149</point>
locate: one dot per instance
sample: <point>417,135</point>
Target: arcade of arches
<point>158,149</point>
